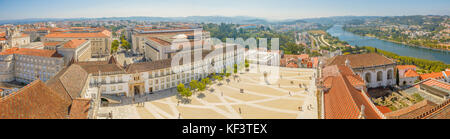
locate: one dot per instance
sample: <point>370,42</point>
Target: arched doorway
<point>390,74</point>
<point>379,76</point>
<point>368,77</point>
<point>137,90</point>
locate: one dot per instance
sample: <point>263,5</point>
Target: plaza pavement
<point>225,101</point>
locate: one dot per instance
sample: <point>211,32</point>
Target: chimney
<point>361,114</point>
<point>347,63</point>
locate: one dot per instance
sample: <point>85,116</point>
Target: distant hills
<point>205,19</point>
<point>193,19</point>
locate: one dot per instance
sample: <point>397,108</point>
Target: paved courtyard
<point>291,97</point>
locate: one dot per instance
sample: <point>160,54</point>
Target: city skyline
<point>268,9</point>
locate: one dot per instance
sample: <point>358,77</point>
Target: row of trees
<point>123,43</point>
<point>426,65</point>
<point>201,85</point>
<point>224,31</point>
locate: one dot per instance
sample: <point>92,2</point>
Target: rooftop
<point>31,52</point>
<point>34,101</point>
<point>412,111</point>
<point>69,82</point>
<point>434,75</point>
<point>80,109</point>
<point>75,43</point>
<point>406,67</point>
<point>343,101</point>
<point>362,60</point>
<point>78,35</point>
<point>411,73</point>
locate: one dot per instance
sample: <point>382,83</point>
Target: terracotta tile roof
<point>332,71</point>
<point>441,111</point>
<point>103,66</point>
<point>302,56</point>
<point>160,41</point>
<point>292,65</point>
<point>69,82</point>
<point>75,43</point>
<point>77,35</point>
<point>434,82</point>
<point>149,66</point>
<point>52,43</point>
<point>447,73</point>
<point>411,111</point>
<point>2,39</point>
<point>343,101</point>
<point>400,67</point>
<point>316,61</point>
<point>34,101</point>
<point>336,70</point>
<point>434,75</point>
<point>361,60</point>
<point>80,109</point>
<point>411,73</point>
<point>31,52</point>
<point>384,109</point>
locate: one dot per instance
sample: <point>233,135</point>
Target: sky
<point>269,9</point>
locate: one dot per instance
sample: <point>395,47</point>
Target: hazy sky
<point>270,9</point>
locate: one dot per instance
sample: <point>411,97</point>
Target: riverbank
<point>403,43</point>
<point>428,65</point>
<point>398,48</point>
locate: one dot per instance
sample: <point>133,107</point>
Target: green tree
<point>114,46</point>
<point>125,44</point>
<point>206,81</point>
<point>184,92</point>
<point>194,85</point>
<point>180,88</point>
<point>247,63</point>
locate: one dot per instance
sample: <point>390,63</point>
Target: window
<point>379,76</point>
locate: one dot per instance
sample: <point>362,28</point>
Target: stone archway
<point>368,77</point>
<point>390,74</point>
<point>379,76</point>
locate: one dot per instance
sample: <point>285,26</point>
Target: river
<point>400,49</point>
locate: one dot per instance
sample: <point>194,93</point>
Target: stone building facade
<point>26,65</point>
<point>376,70</point>
<point>75,50</point>
<point>155,76</point>
<point>100,41</point>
